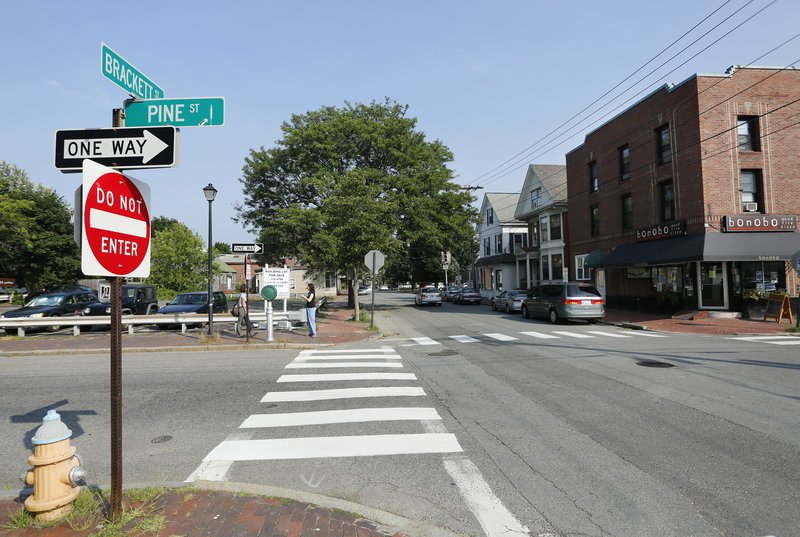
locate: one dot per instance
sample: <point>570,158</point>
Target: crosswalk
<point>308,369</point>
<point>517,336</point>
<point>407,406</point>
<point>772,340</point>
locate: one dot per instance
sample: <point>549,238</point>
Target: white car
<point>364,290</point>
<point>428,295</point>
<point>384,287</point>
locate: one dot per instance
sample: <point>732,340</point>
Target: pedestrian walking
<point>243,318</point>
<point>311,310</point>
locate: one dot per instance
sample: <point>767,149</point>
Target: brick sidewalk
<point>206,513</point>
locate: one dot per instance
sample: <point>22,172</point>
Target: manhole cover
<point>161,439</point>
<point>654,363</point>
<point>446,352</point>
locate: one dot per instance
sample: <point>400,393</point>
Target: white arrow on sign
<point>147,146</point>
<point>255,248</point>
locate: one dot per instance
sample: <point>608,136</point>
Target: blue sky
<point>489,79</point>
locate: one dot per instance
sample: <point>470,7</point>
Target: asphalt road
<point>524,429</point>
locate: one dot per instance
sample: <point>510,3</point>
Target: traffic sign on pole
<point>188,112</point>
<point>116,223</point>
<point>115,68</point>
<point>247,247</point>
<point>124,148</point>
<point>374,260</point>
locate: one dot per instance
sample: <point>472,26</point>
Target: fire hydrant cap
<point>52,429</point>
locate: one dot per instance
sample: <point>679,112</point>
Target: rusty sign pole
<point>116,378</point>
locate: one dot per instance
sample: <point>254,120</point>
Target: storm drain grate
<point>654,363</point>
<point>446,352</point>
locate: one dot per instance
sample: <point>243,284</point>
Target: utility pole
<point>471,249</point>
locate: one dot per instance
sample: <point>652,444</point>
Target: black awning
<point>594,259</point>
<point>705,247</point>
<point>763,246</point>
<point>494,260</point>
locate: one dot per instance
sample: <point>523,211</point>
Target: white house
<point>500,234</point>
<point>542,207</point>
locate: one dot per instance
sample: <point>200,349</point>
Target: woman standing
<point>311,310</point>
<point>242,318</point>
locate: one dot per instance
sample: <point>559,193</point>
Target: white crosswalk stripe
<point>465,339</point>
<point>343,393</point>
<point>539,335</point>
<point>573,334</point>
<point>331,377</point>
<point>607,334</point>
<point>425,341</point>
<point>646,334</point>
<point>501,337</point>
<point>352,415</point>
<point>772,340</point>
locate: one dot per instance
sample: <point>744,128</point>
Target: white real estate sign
<point>279,277</point>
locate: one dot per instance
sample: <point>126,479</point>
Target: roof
<point>553,180</point>
<point>503,205</point>
<point>224,267</point>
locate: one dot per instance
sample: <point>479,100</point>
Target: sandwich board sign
<point>115,223</point>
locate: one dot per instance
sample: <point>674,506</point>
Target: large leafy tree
<point>343,181</point>
<point>36,232</point>
<point>178,263</point>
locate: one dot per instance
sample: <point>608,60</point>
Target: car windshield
<point>582,290</point>
<point>430,290</point>
<point>190,298</point>
<point>40,301</point>
<point>128,292</point>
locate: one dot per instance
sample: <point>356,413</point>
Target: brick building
<point>690,198</point>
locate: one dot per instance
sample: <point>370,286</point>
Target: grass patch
<point>205,339</point>
<point>793,329</point>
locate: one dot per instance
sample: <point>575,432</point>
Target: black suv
<point>61,304</point>
<point>137,299</point>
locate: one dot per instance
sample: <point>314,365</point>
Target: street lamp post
<point>210,193</point>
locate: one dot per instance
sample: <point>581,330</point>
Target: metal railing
<point>130,321</point>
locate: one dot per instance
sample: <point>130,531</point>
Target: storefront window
<point>666,279</point>
<point>766,277</point>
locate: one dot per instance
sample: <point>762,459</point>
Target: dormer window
<point>490,216</point>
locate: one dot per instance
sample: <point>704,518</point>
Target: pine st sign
<point>115,68</point>
<point>115,218</point>
<point>123,148</point>
<point>187,112</point>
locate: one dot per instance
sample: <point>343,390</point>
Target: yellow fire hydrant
<point>56,470</point>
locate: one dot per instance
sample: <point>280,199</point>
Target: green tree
<point>221,248</point>
<point>343,181</point>
<point>37,247</point>
<point>178,263</point>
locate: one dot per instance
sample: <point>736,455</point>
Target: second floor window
<point>627,211</point>
<point>487,246</point>
<point>490,216</point>
<point>518,240</point>
<point>594,182</point>
<point>667,201</point>
<point>498,243</point>
<point>544,228</point>
<point>747,128</point>
<point>624,162</point>
<point>664,145</point>
<point>751,191</point>
<point>594,220</point>
<point>555,227</point>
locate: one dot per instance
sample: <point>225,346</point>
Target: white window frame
<point>582,272</point>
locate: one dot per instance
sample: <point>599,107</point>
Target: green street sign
<point>115,68</point>
<point>187,112</point>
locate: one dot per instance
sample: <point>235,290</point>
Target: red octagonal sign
<point>115,222</point>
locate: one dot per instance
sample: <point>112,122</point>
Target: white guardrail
<point>129,321</point>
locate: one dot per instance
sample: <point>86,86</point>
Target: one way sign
<point>121,148</point>
<point>247,247</point>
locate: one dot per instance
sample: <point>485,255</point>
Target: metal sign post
<point>374,261</point>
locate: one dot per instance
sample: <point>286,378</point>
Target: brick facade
<point>704,167</point>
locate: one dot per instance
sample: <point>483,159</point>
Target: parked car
<point>450,291</point>
<point>65,304</point>
<point>564,300</point>
<point>196,302</point>
<point>467,295</point>
<point>384,287</point>
<point>428,295</point>
<point>364,289</point>
<point>509,301</point>
<point>137,299</point>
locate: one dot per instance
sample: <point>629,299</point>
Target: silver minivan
<point>564,300</point>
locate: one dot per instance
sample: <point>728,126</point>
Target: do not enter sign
<point>116,223</point>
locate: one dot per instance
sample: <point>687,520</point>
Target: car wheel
<point>54,328</point>
<point>439,304</point>
<point>592,321</point>
<point>494,306</point>
<point>508,308</point>
<point>525,312</point>
<point>553,316</point>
